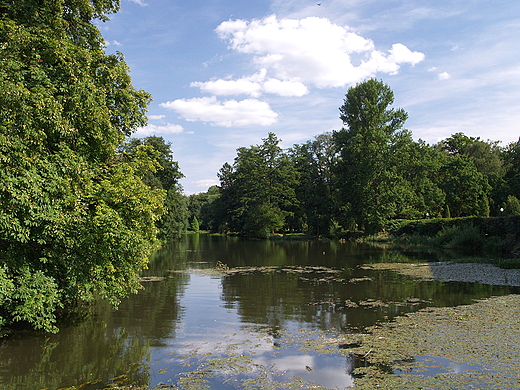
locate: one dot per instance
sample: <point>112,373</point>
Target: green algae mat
<point>465,347</point>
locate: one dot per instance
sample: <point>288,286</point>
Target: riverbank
<point>454,272</point>
<point>469,236</point>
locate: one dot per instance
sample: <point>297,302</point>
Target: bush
<point>467,239</point>
<point>470,235</point>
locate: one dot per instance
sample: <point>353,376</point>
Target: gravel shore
<point>457,272</point>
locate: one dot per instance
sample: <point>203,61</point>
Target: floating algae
<point>465,347</point>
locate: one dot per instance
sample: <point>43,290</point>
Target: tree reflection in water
<point>273,315</point>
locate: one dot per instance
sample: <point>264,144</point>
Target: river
<point>256,323</point>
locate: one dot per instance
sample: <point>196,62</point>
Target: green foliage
<point>175,221</point>
<point>511,156</point>
<point>466,189</point>
<point>168,175</point>
<point>76,218</point>
<point>467,239</point>
<point>470,235</point>
<point>257,192</point>
<point>194,226</point>
<point>34,298</point>
<point>371,186</point>
<point>512,206</point>
<point>201,206</point>
<point>165,176</point>
<point>315,162</point>
<point>362,177</point>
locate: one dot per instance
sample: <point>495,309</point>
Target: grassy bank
<point>497,238</point>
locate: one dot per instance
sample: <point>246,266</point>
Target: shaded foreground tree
<point>76,220</point>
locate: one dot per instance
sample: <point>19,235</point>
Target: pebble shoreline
<point>455,272</point>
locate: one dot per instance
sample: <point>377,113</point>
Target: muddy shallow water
<point>224,313</point>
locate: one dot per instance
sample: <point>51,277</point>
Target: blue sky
<point>225,73</point>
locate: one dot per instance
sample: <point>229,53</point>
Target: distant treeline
<point>359,178</point>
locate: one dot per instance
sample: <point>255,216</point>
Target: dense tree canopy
<point>76,220</point>
<point>175,219</point>
<point>80,208</point>
<point>372,187</point>
<point>362,177</point>
<point>258,190</point>
<point>315,161</point>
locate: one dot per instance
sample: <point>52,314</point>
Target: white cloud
<point>154,129</point>
<point>253,85</point>
<point>114,42</point>
<point>313,50</point>
<point>444,76</point>
<point>156,117</point>
<point>285,87</point>
<point>229,113</point>
<point>140,2</point>
<point>229,87</point>
<point>206,183</point>
<point>400,54</point>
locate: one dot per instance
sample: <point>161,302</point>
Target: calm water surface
<point>184,319</point>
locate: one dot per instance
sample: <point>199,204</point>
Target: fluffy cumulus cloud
<point>285,87</point>
<point>253,85</point>
<point>313,51</point>
<point>228,113</point>
<point>155,129</point>
<point>444,76</point>
<point>289,55</point>
<point>229,87</point>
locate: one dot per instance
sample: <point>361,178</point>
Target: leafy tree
<point>76,220</point>
<point>487,158</point>
<point>194,226</point>
<point>169,174</point>
<point>512,206</point>
<point>420,164</point>
<point>465,187</point>
<point>315,162</point>
<point>200,206</point>
<point>175,220</point>
<point>511,156</point>
<point>257,192</point>
<point>371,186</point>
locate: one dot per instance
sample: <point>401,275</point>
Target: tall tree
<point>258,190</point>
<point>315,161</point>
<point>372,188</point>
<point>75,217</point>
<point>201,208</point>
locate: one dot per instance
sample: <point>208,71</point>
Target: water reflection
<point>107,347</point>
<point>237,327</point>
